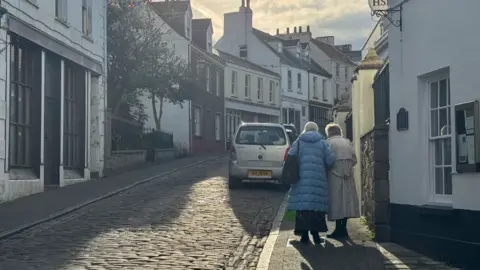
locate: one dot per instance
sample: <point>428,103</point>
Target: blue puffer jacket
<point>311,192</point>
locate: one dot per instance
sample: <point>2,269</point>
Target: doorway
<point>52,120</point>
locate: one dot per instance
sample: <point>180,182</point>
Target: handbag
<point>291,168</point>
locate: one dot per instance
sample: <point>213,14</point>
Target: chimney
<point>308,28</point>
<point>300,29</point>
<point>248,3</point>
<point>243,3</point>
<point>278,31</point>
<point>288,30</point>
<point>294,29</point>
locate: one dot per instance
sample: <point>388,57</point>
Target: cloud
<point>348,20</point>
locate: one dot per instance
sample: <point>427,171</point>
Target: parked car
<point>257,154</point>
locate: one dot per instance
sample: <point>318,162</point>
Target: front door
<point>52,121</point>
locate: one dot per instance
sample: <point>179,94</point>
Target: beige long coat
<point>342,191</point>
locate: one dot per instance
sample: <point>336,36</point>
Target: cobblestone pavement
<point>188,220</point>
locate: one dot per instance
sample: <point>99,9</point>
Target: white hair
<point>333,129</point>
<point>310,126</point>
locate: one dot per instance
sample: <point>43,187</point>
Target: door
<point>52,121</point>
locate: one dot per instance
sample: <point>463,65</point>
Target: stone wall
<point>375,185</point>
<point>124,159</point>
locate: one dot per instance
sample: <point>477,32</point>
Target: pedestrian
<point>342,191</point>
<point>309,197</point>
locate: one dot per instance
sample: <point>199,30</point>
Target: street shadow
<point>256,205</point>
<point>116,229</point>
<point>343,254</point>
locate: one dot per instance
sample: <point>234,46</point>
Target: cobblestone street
<point>187,220</point>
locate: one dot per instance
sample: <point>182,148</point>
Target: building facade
<point>53,128</point>
<point>251,94</point>
<point>434,149</point>
<point>267,51</point>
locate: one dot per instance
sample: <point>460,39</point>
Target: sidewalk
<point>357,253</point>
<point>25,211</point>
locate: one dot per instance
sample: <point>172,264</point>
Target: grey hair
<point>333,129</point>
<point>310,126</point>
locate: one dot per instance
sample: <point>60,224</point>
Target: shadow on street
<point>260,201</point>
<point>108,227</point>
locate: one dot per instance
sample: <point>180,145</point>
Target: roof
<point>170,12</point>
<point>332,52</point>
<point>265,38</point>
<point>201,24</point>
<point>241,62</point>
<point>213,56</point>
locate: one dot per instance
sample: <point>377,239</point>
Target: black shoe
<point>336,234</point>
<point>304,239</point>
<point>316,238</point>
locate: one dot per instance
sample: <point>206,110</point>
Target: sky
<point>348,20</point>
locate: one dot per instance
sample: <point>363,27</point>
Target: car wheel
<point>234,183</point>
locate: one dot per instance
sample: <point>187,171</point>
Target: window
<point>299,82</point>
<point>243,51</point>
<point>289,78</point>
<point>324,90</point>
<point>217,83</point>
<point>207,78</point>
<point>197,121</point>
<point>23,112</point>
<point>337,91</point>
<point>315,87</point>
<point>209,47</point>
<point>271,92</point>
<point>217,127</point>
<point>346,73</point>
<point>440,137</point>
<point>234,83</point>
<point>260,89</point>
<point>303,111</point>
<point>87,17</point>
<point>61,10</point>
<point>337,70</point>
<point>261,135</point>
<point>74,111</point>
<point>247,86</point>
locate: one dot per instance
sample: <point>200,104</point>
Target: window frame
<point>433,139</point>
<point>218,133</point>
<point>289,80</point>
<point>337,70</point>
<point>61,10</point>
<point>260,89</point>
<point>217,83</point>
<point>248,87</point>
<point>299,82</point>
<point>271,93</point>
<point>87,18</point>
<point>197,121</point>
<point>337,91</point>
<point>315,87</point>
<point>207,78</point>
<point>324,90</point>
<point>234,83</point>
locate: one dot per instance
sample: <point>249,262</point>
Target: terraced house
<point>197,125</point>
<point>244,41</point>
<point>52,122</point>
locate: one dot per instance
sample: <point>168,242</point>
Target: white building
<point>53,120</point>
<point>251,94</point>
<point>435,163</point>
<point>175,19</point>
<point>267,51</point>
<point>377,40</point>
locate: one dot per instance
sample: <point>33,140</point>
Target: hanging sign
<point>378,5</point>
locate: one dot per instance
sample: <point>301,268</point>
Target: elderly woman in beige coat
<point>342,192</point>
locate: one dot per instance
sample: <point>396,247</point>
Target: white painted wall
<point>175,117</point>
<point>422,48</point>
<point>254,75</point>
<point>319,96</point>
<point>41,17</point>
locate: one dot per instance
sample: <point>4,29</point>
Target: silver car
<point>257,154</point>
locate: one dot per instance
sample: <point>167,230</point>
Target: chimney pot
<point>294,29</point>
<point>288,30</point>
<point>300,29</point>
<point>308,28</point>
<point>278,31</point>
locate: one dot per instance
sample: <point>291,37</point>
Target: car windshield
<point>261,135</point>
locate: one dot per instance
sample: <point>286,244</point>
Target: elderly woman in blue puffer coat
<point>309,197</point>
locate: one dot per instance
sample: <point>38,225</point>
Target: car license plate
<point>259,174</point>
